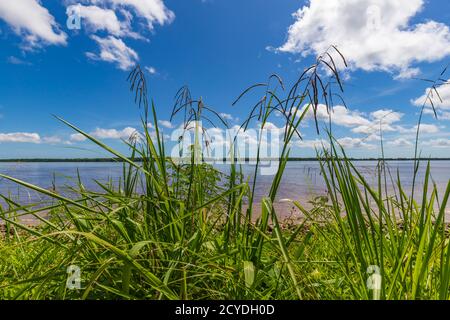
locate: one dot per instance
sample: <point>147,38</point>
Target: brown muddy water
<point>302,180</point>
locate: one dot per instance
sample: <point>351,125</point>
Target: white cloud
<point>381,119</point>
<point>427,128</point>
<point>119,19</point>
<point>354,143</point>
<point>361,123</point>
<point>28,18</point>
<point>114,50</point>
<point>407,73</point>
<point>20,137</point>
<point>424,129</point>
<point>31,20</point>
<point>96,18</point>
<point>369,125</point>
<point>27,137</point>
<point>444,93</point>
<point>371,34</point>
<point>153,11</point>
<point>271,127</point>
<point>151,70</point>
<point>101,133</point>
<point>166,124</point>
<point>399,143</point>
<point>77,137</point>
<point>438,143</point>
<point>340,115</point>
<point>386,116</point>
<point>372,137</point>
<point>227,116</point>
<point>114,134</point>
<point>312,144</point>
<point>444,116</point>
<point>344,117</point>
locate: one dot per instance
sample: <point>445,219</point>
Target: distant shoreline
<point>105,160</point>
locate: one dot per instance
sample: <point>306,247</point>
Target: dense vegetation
<point>184,230</point>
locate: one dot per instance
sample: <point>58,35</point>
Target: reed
<point>173,230</point>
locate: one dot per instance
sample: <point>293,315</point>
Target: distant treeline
<point>212,160</point>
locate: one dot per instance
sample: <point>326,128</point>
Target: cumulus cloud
<point>166,124</point>
<point>424,129</point>
<point>373,35</point>
<point>114,50</point>
<point>271,127</point>
<point>386,116</point>
<point>31,20</point>
<point>444,115</point>
<point>340,115</point>
<point>365,124</point>
<point>441,103</point>
<point>354,143</point>
<point>347,118</point>
<point>229,117</point>
<point>369,126</point>
<point>96,18</point>
<point>380,120</point>
<point>119,19</point>
<point>20,137</point>
<point>226,116</point>
<point>312,144</point>
<point>399,143</point>
<point>114,134</point>
<point>27,137</point>
<point>153,11</point>
<point>107,22</point>
<point>438,143</point>
<point>101,133</point>
<point>77,137</point>
<point>427,128</point>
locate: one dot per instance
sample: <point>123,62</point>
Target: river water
<point>301,181</point>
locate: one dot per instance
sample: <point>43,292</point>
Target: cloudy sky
<point>52,65</point>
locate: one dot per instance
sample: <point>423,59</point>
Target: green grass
<point>189,236</point>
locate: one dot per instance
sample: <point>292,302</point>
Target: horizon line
<point>218,160</point>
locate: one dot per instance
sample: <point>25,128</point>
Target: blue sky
<point>217,48</point>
